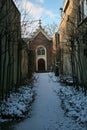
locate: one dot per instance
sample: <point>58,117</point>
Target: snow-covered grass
<point>18,104</point>
<point>74,103</point>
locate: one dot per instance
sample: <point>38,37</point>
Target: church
<point>41,46</point>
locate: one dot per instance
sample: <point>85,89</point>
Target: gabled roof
<point>40,29</point>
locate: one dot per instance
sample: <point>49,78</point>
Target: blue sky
<point>46,10</point>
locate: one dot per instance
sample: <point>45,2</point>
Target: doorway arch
<point>41,65</point>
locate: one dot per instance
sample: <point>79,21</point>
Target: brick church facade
<point>41,45</point>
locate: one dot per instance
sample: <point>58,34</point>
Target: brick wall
<point>40,39</point>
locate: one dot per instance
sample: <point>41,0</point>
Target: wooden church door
<point>41,65</point>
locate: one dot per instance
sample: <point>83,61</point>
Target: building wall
<point>24,61</point>
<point>41,41</point>
<point>43,57</point>
<point>66,31</point>
<point>82,41</point>
<point>56,48</point>
<point>73,40</point>
<point>83,56</point>
<point>10,35</point>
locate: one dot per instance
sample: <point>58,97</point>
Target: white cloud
<point>35,10</point>
<point>40,1</point>
<point>50,14</point>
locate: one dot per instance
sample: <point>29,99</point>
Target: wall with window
<point>82,10</point>
<point>41,53</point>
<point>42,49</point>
<point>67,31</point>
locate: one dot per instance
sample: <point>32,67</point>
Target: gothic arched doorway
<point>41,65</point>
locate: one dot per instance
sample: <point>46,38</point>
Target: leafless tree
<point>51,28</point>
<point>10,46</point>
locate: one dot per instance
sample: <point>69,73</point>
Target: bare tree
<point>51,28</point>
<point>10,45</point>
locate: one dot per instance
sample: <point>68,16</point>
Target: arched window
<point>40,51</point>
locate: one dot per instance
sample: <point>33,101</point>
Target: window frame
<point>85,8</point>
<point>82,10</point>
<point>40,51</point>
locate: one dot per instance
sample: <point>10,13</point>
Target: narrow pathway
<point>46,110</point>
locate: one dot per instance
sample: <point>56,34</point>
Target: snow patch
<point>17,105</point>
<point>74,103</point>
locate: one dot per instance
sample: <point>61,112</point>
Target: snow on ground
<point>17,105</point>
<point>73,102</point>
